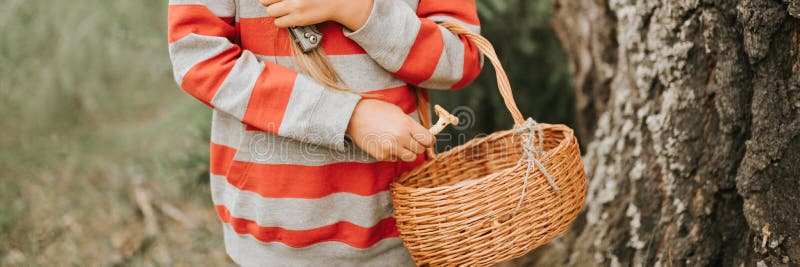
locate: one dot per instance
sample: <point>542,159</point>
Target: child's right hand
<point>386,133</point>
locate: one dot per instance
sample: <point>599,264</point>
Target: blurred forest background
<point>100,147</point>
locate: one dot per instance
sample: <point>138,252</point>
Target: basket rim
<point>569,136</point>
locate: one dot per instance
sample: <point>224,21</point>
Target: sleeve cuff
<point>332,116</point>
<point>369,22</point>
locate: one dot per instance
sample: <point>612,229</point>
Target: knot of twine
<point>533,154</point>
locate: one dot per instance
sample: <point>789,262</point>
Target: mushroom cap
<point>446,116</point>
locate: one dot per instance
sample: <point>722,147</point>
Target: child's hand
<point>350,13</point>
<point>385,132</point>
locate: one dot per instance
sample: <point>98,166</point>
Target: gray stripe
<point>301,107</point>
<point>412,3</point>
<point>317,115</point>
<point>193,49</point>
<point>359,72</point>
<point>442,77</point>
<point>362,74</point>
<point>234,93</point>
<point>286,61</point>
<point>220,8</point>
<point>247,251</point>
<point>450,68</point>
<point>252,9</point>
<point>389,33</point>
<point>265,148</point>
<point>472,28</point>
<point>298,213</point>
<point>226,130</point>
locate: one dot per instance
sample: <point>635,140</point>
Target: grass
<point>90,114</point>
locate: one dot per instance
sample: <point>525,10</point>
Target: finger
<point>377,154</point>
<point>269,2</point>
<point>406,155</point>
<point>413,145</point>
<point>422,135</point>
<point>383,150</point>
<point>381,156</point>
<point>386,156</point>
<point>278,10</point>
<point>289,20</point>
<point>391,158</point>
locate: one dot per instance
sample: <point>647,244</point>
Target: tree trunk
<point>695,158</point>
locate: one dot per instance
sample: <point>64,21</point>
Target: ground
<point>100,148</point>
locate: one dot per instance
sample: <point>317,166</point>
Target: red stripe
<point>403,97</point>
<point>421,61</point>
<point>221,158</point>
<point>472,64</point>
<point>299,181</point>
<point>204,79</point>
<point>198,19</point>
<point>344,232</point>
<point>228,20</point>
<point>260,36</point>
<point>463,10</point>
<point>270,98</point>
<point>335,43</point>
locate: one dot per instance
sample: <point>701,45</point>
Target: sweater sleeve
<point>265,96</point>
<point>415,48</point>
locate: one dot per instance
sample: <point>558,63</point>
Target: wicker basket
<point>479,204</point>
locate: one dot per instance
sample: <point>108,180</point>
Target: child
<point>300,171</point>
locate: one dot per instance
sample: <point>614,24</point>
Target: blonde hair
<point>316,65</point>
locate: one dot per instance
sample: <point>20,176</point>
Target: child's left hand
<point>350,13</point>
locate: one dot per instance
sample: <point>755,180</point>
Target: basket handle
<point>503,85</point>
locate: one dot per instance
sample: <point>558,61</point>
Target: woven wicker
<point>461,206</point>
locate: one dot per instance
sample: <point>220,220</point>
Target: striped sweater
<point>290,189</point>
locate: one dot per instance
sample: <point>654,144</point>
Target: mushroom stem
<point>445,118</point>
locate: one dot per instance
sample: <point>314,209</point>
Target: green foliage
<point>537,67</point>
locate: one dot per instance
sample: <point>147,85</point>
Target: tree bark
<point>695,157</point>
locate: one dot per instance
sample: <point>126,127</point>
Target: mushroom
<point>445,118</point>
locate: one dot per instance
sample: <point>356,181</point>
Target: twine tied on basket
<point>532,152</point>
